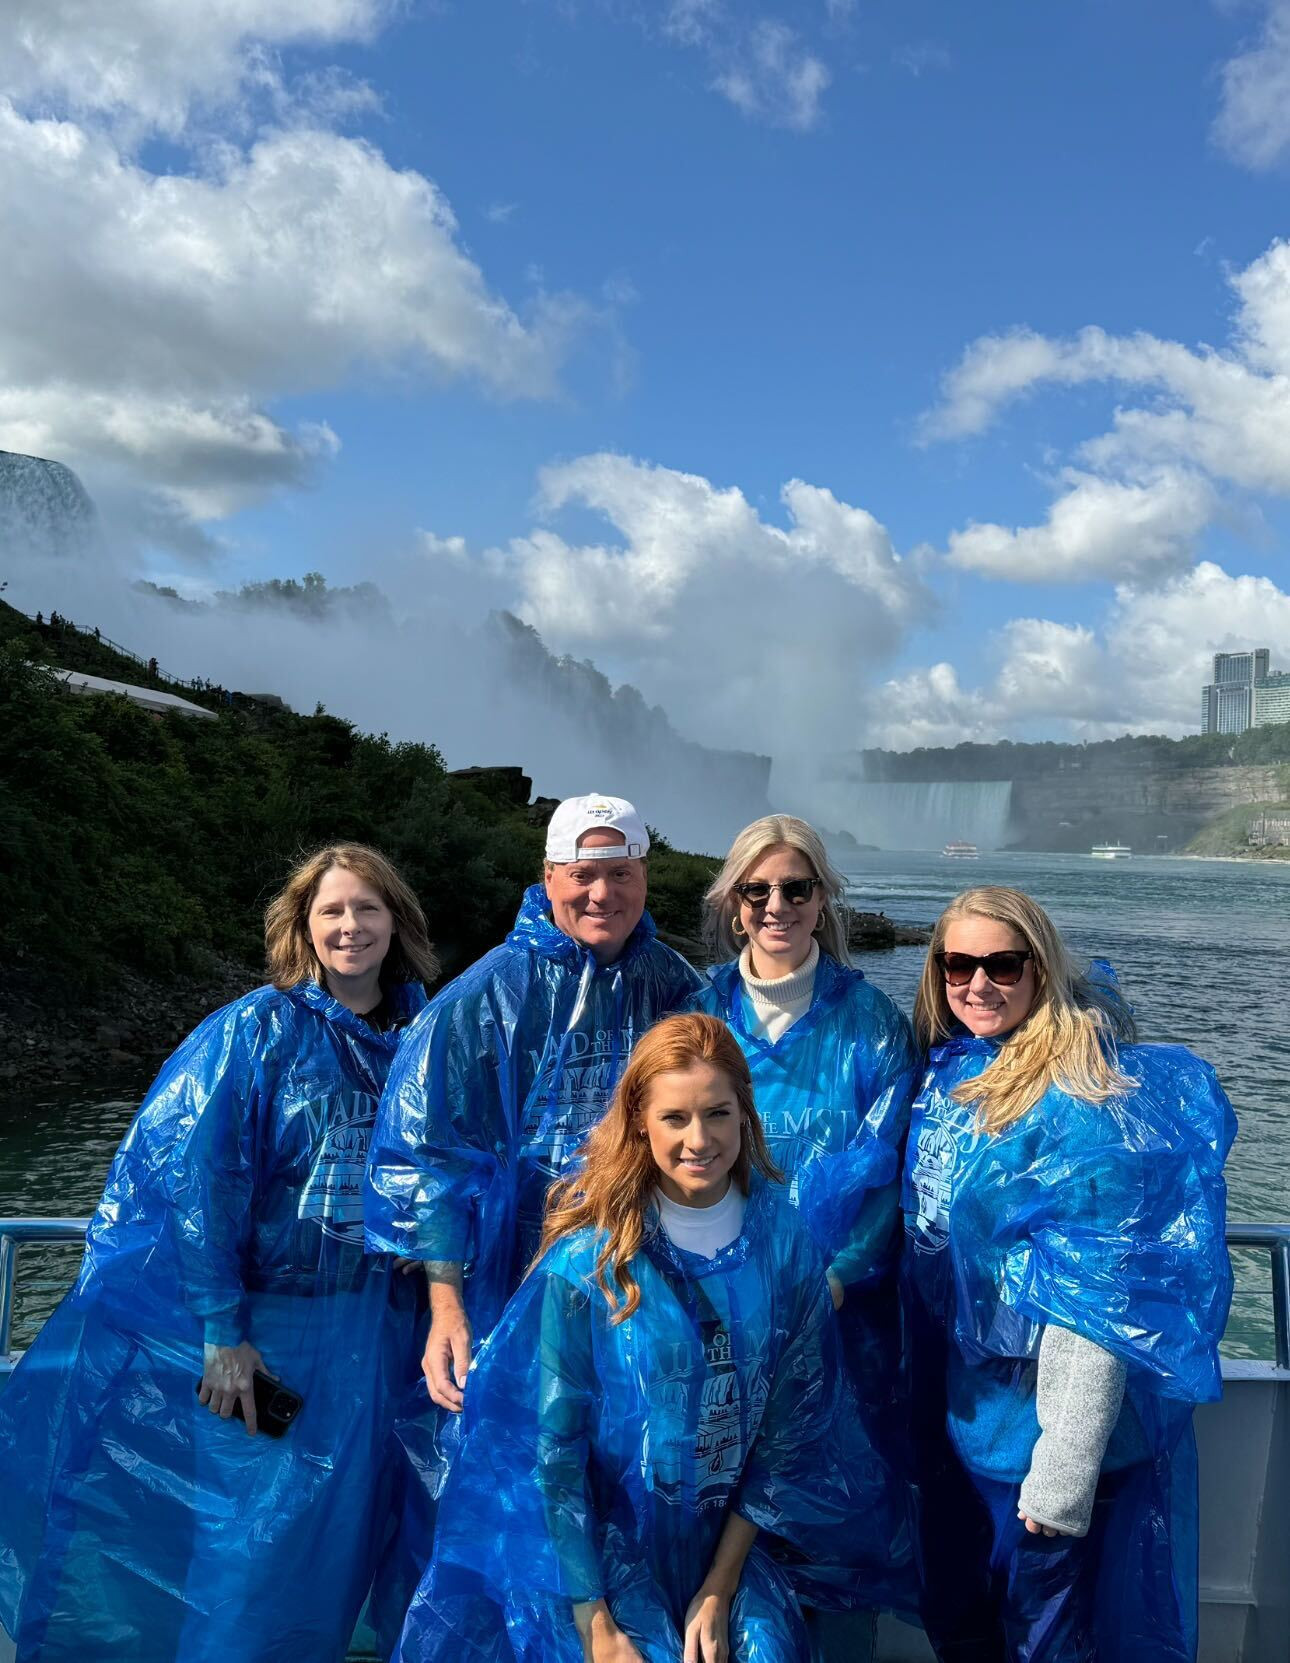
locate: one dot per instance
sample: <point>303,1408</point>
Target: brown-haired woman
<point>660,1393</point>
<point>225,1277</point>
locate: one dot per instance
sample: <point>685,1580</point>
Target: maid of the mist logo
<point>561,1111</point>
<point>332,1195</point>
<point>946,1132</point>
<point>724,1419</point>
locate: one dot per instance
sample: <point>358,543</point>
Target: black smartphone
<point>276,1405</point>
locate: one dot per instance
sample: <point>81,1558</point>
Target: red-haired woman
<point>655,1446</point>
<point>140,1519</point>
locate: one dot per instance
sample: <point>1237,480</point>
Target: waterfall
<point>43,505</point>
<point>928,815</point>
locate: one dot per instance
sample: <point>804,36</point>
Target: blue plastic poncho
<point>602,1459</point>
<point>136,1523</point>
<point>833,1096</point>
<point>496,1085</point>
<point>1107,1219</point>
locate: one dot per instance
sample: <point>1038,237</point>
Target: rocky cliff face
<point>1153,809</point>
<point>43,505</point>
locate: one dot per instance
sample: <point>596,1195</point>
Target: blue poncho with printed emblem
<point>135,1522</point>
<point>1107,1219</point>
<point>602,1459</point>
<point>496,1085</point>
<point>833,1094</point>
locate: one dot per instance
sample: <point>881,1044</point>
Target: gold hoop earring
<point>735,930</point>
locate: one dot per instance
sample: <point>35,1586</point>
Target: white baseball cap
<point>576,816</point>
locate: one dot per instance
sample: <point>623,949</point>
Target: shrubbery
<point>128,839</point>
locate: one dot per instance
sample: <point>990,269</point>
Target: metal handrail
<point>1276,1239</point>
<point>14,1231</point>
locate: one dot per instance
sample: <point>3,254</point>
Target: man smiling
<point>499,1080</point>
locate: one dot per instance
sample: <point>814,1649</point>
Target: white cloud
<point>922,57</point>
<point>1099,528</point>
<point>1200,419</point>
<point>761,67</point>
<point>151,319</point>
<point>1226,412</point>
<point>766,637</point>
<point>1253,120</point>
<point>770,76</point>
<point>148,63</point>
<point>1141,672</point>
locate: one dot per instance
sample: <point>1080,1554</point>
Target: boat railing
<point>1274,1239</point>
<point>13,1233</point>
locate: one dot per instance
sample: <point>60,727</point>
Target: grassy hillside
<point>129,841</point>
<point>1229,834</point>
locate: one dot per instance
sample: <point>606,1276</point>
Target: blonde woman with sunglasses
<point>1066,1283</point>
<point>833,1066</point>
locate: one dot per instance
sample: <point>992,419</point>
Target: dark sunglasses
<point>796,890</point>
<point>1003,969</point>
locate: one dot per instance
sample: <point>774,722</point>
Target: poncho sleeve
<point>442,1125</point>
<point>852,1200</point>
<point>789,1482</point>
<point>184,1177</point>
<point>518,1514</point>
<point>1109,1220</point>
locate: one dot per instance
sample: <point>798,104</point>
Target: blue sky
<point>540,304</point>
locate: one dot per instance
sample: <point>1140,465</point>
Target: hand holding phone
<point>236,1385</point>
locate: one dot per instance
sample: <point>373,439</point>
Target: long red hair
<point>615,1187</point>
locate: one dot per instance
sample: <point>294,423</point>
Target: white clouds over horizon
<point>777,637</point>
<point>765,636</point>
<point>1141,672</point>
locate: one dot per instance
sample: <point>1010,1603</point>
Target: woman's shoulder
<point>776,1226</point>
<point>1182,1087</point>
<point>573,1257</point>
<point>246,1017</point>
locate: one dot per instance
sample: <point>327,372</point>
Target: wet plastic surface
<point>1107,1219</point>
<point>138,1524</point>
<point>602,1459</point>
<point>495,1087</point>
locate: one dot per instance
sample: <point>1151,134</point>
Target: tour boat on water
<point>1111,851</point>
<point>958,850</point>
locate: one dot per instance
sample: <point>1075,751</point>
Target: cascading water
<point>928,815</point>
<point>43,505</point>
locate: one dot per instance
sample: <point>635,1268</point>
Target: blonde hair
<point>1067,1039</point>
<point>615,1188</point>
<point>774,831</point>
<point>290,952</point>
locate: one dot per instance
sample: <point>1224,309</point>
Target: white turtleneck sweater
<point>703,1230</point>
<point>773,1007</point>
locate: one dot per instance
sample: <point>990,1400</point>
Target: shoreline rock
<point>117,1036</point>
<point>869,932</point>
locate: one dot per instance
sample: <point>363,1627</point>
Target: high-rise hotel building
<point>1244,693</point>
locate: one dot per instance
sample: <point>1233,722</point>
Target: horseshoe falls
<point>926,814</point>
